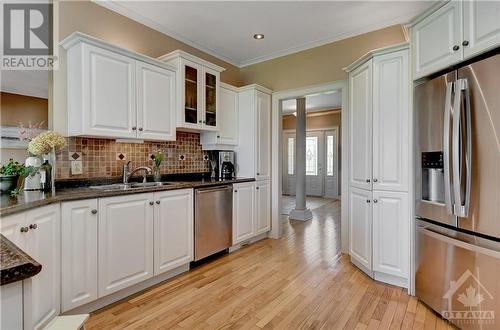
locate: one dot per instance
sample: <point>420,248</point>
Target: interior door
<point>332,164</point>
<point>314,163</point>
<point>155,102</point>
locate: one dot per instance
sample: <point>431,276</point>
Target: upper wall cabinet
<point>198,86</point>
<point>115,93</point>
<point>227,136</point>
<point>456,31</point>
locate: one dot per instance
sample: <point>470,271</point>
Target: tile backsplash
<point>104,158</point>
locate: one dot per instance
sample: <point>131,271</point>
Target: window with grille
<point>329,156</point>
<point>291,155</point>
<point>312,155</point>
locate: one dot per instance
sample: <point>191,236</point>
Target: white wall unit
<point>379,148</point>
<point>173,229</point>
<point>391,228</point>
<point>243,211</point>
<point>390,122</point>
<point>196,110</point>
<point>253,158</point>
<point>481,26</point>
<point>437,40</point>
<point>115,93</point>
<point>79,253</point>
<point>456,31</point>
<point>125,241</point>
<point>43,244</point>
<point>227,136</point>
<point>360,213</point>
<point>262,206</point>
<point>155,102</point>
<point>360,121</point>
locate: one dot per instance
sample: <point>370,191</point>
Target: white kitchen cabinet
<point>155,102</point>
<point>481,26</point>
<point>391,227</point>
<point>10,227</point>
<point>125,241</point>
<point>43,244</point>
<point>360,228</point>
<point>116,93</point>
<point>360,122</point>
<point>11,306</point>
<point>437,40</point>
<point>79,253</point>
<point>228,121</point>
<point>243,211</point>
<point>263,206</point>
<point>390,122</point>
<point>254,133</point>
<point>173,229</point>
<point>198,91</point>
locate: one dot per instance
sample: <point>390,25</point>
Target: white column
<point>300,212</point>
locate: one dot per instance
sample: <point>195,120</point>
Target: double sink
<point>128,186</point>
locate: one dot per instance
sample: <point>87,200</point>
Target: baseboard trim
<point>252,240</point>
<point>124,293</point>
<point>392,279</point>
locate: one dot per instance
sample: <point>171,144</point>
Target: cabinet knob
<point>368,180</point>
<point>33,226</point>
<point>257,188</point>
<point>375,179</point>
<point>151,203</point>
<point>456,47</point>
<point>465,43</point>
<point>236,191</point>
<point>134,128</point>
<point>24,229</point>
<point>218,136</point>
<point>204,122</point>
<point>368,201</point>
<point>200,121</point>
<point>258,173</point>
<point>140,129</point>
<point>375,201</point>
<point>158,202</point>
<point>94,211</point>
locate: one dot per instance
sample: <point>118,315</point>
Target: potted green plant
<point>9,174</point>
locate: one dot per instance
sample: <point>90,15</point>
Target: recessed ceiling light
<point>258,36</point>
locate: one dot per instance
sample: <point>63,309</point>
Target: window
<point>312,155</point>
<point>291,155</point>
<point>329,155</point>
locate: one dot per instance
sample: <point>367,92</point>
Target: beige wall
<point>318,65</point>
<point>316,121</point>
<point>16,109</point>
<point>102,23</point>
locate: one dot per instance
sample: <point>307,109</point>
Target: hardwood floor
<point>300,281</point>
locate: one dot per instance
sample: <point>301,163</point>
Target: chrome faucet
<point>127,174</point>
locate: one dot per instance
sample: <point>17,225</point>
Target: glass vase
<point>156,174</point>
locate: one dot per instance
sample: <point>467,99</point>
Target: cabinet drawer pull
<point>456,47</point>
<point>33,226</point>
<point>140,129</point>
<point>24,229</point>
<point>94,211</point>
<point>158,202</point>
<point>375,201</point>
<point>151,203</point>
<point>134,128</point>
<point>465,43</point>
<point>375,180</point>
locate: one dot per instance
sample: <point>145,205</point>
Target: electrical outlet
<point>76,167</point>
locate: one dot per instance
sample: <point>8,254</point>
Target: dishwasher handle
<point>209,190</point>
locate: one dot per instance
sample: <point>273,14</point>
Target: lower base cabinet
<point>125,241</point>
<point>251,209</point>
<point>173,229</point>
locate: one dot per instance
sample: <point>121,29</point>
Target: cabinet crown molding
<point>78,37</point>
<point>256,87</point>
<point>375,52</point>
<point>182,54</point>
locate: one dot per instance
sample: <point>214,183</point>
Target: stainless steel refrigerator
<point>457,192</point>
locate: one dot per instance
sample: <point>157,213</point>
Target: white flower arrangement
<point>45,142</point>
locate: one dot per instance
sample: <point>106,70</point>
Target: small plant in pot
<point>9,174</point>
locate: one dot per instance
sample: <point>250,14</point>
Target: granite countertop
<point>15,264</point>
<point>30,199</point>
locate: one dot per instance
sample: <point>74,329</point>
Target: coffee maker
<point>225,163</point>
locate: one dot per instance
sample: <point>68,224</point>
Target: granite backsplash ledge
<point>105,158</point>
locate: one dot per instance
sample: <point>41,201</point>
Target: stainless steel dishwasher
<point>213,220</point>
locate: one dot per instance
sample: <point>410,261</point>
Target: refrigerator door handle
<point>448,197</point>
<point>461,208</point>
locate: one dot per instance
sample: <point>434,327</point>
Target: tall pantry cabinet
<point>379,176</point>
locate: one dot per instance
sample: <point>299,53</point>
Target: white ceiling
<point>25,82</point>
<point>318,102</point>
<point>225,29</point>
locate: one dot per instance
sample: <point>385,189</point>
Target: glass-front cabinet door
<point>211,98</point>
<point>191,104</point>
